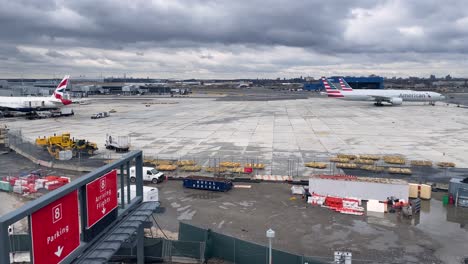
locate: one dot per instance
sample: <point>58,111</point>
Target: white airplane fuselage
<point>405,95</point>
<point>28,104</point>
<point>31,104</point>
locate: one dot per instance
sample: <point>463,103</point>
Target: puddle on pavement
<point>204,195</point>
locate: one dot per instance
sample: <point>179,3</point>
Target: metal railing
<point>126,204</point>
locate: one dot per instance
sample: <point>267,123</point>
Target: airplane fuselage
<point>29,104</point>
<point>405,95</point>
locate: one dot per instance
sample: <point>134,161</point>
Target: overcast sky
<point>233,39</point>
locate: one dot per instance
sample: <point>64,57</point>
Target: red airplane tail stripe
<point>331,89</point>
<point>345,86</point>
<point>58,93</point>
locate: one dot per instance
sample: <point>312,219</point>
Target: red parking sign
<point>55,230</point>
<point>101,197</point>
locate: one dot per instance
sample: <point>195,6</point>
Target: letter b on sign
<point>102,184</point>
<point>56,213</point>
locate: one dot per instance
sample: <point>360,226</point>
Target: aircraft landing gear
<point>378,104</point>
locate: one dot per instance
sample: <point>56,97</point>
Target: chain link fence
<point>214,166</point>
<point>235,250</point>
<point>39,154</point>
<point>206,164</point>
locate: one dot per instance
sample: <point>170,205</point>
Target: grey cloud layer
<point>114,33</point>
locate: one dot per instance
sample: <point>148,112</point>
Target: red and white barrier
<point>272,178</point>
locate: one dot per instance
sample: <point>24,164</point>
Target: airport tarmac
<point>276,132</point>
<point>272,132</point>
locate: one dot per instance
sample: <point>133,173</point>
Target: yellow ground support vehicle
<point>56,143</point>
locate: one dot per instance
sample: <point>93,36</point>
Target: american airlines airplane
<point>394,97</point>
<point>31,104</point>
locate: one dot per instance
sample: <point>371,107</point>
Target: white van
<point>149,193</point>
<point>149,174</point>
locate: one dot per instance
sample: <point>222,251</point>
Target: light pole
<point>270,234</point>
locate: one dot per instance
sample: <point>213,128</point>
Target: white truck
<point>149,193</point>
<point>119,143</point>
<point>64,111</point>
<point>100,115</point>
<point>149,174</point>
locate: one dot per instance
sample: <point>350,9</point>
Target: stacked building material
<point>364,161</point>
<point>372,168</point>
<point>446,164</point>
<point>229,164</point>
<point>258,166</point>
<point>394,160</point>
<point>346,165</point>
<point>370,157</point>
<point>346,156</point>
<point>166,167</point>
<point>406,171</point>
<point>316,165</point>
<point>425,163</point>
<point>340,160</point>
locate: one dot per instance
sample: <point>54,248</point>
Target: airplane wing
<point>5,108</point>
<point>392,100</point>
<point>380,98</point>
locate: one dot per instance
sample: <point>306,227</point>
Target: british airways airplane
<point>31,104</point>
<point>394,97</point>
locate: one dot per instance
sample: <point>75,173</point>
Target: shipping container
<point>207,183</point>
<point>364,188</point>
<point>455,184</point>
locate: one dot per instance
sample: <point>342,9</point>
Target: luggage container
<point>207,183</point>
<point>119,143</point>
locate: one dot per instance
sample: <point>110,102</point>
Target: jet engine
<point>396,101</point>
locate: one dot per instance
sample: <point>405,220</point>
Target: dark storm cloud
<point>208,34</point>
<point>290,23</point>
<point>55,54</point>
